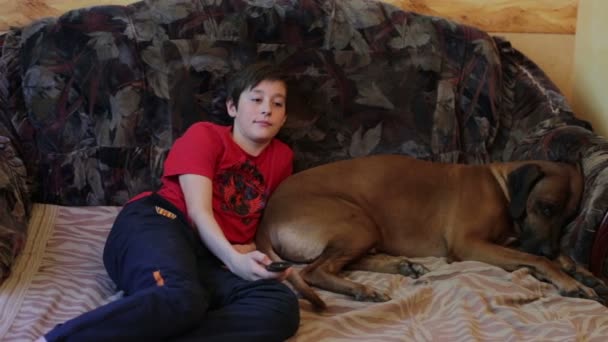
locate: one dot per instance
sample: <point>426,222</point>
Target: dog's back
<point>381,188</point>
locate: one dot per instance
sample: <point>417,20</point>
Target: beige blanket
<point>60,275</point>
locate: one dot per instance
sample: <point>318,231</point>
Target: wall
<point>544,30</point>
<point>591,65</point>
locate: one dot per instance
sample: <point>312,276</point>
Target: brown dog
<point>333,215</point>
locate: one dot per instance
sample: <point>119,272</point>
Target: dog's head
<point>545,196</point>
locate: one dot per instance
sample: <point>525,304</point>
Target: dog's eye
<point>547,209</point>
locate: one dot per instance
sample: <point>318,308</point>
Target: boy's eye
<point>255,99</point>
<point>279,104</point>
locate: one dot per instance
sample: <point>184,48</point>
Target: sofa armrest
<point>538,123</point>
<point>599,253</point>
<point>530,104</point>
<point>15,203</point>
<point>15,206</point>
<point>575,144</point>
<point>581,235</point>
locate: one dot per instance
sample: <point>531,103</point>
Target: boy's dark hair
<point>242,80</point>
<point>251,76</point>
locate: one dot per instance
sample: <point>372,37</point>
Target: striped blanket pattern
<point>60,275</point>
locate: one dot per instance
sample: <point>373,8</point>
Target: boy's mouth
<point>263,123</point>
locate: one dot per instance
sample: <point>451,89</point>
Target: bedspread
<point>60,275</point>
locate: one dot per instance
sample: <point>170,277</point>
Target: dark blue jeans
<point>176,290</point>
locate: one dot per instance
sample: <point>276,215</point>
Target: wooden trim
<point>517,16</point>
<point>22,12</point>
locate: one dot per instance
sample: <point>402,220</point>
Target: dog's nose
<point>548,252</point>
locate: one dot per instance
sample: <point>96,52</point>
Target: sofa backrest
<point>106,90</point>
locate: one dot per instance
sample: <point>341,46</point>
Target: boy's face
<point>260,113</point>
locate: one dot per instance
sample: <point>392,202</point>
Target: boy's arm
<point>198,195</point>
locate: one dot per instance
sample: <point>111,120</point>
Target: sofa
<point>91,102</point>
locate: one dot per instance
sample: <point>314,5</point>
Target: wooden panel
<point>540,16</point>
<point>532,16</point>
<point>21,12</point>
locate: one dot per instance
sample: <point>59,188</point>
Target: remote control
<point>278,266</point>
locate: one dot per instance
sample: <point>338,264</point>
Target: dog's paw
<point>597,285</point>
<point>602,292</point>
<point>601,289</point>
<point>581,291</point>
<point>410,269</point>
<point>369,295</point>
<point>588,280</point>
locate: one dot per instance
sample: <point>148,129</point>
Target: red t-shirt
<point>241,183</point>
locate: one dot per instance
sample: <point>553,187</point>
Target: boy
<point>184,255</point>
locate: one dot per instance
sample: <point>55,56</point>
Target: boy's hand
<point>251,266</point>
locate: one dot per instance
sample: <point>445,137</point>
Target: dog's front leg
<point>510,259</point>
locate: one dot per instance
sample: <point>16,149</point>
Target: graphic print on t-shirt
<point>242,189</point>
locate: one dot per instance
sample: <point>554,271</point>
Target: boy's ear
<point>231,108</point>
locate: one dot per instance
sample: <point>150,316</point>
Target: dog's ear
<point>520,183</point>
<point>579,164</point>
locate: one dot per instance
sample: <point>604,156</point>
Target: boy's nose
<point>266,108</point>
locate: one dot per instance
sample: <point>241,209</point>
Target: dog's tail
<point>297,281</point>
